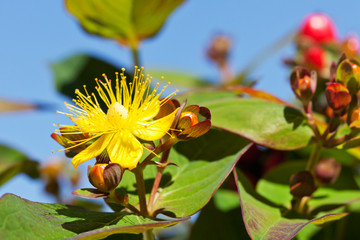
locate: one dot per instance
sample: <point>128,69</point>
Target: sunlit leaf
<point>203,164</point>
<point>181,79</point>
<point>23,219</point>
<point>264,122</point>
<point>275,187</point>
<point>127,21</point>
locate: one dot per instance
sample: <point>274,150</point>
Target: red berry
<point>318,27</point>
<point>315,57</point>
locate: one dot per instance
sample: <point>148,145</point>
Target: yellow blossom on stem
<point>130,110</point>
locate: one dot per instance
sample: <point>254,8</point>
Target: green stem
<point>311,121</point>
<point>140,185</point>
<point>135,54</point>
<point>314,157</point>
<point>148,235</point>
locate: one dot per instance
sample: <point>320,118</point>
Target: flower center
<point>117,112</point>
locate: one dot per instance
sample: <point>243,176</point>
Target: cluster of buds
<point>341,92</point>
<point>318,44</point>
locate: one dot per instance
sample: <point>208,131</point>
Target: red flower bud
<point>318,27</point>
<point>337,96</point>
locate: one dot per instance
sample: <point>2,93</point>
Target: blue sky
<point>35,34</point>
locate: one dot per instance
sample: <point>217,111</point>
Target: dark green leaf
<point>13,162</point>
<point>214,224</point>
<point>78,70</point>
<point>23,219</point>
<point>127,21</point>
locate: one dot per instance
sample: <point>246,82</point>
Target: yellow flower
<point>130,108</point>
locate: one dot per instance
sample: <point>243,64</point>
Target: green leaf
<point>13,162</point>
<point>226,200</point>
<point>346,228</point>
<point>127,21</point>
<point>203,164</point>
<point>78,70</point>
<point>91,193</point>
<point>266,123</point>
<point>274,186</point>
<point>181,79</point>
<point>265,221</point>
<point>200,97</point>
<point>23,219</point>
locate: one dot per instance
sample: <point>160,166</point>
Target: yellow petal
<point>149,111</point>
<point>93,150</point>
<point>125,150</point>
<point>153,130</point>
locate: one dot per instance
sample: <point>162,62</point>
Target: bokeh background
<point>36,34</point>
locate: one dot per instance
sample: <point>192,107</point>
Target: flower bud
<point>194,121</point>
<point>105,177</point>
<point>219,49</point>
<point>348,73</point>
<point>327,171</point>
<point>303,85</point>
<point>338,97</point>
<point>319,28</point>
<point>302,184</point>
<point>70,140</point>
